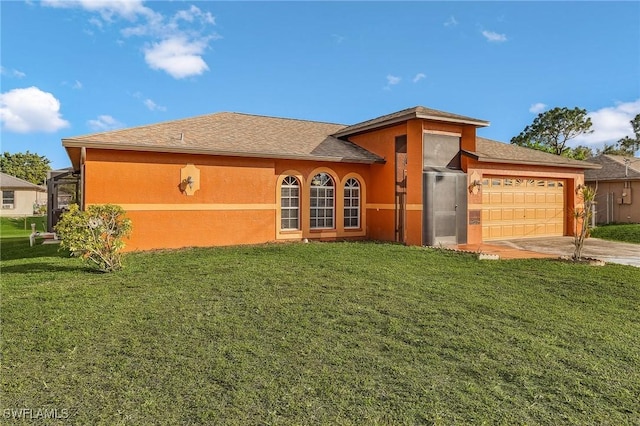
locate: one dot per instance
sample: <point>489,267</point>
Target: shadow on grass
<point>41,267</point>
<point>13,248</point>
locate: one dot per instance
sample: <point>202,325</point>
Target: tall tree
<point>626,146</point>
<point>631,145</point>
<point>551,130</point>
<point>28,166</point>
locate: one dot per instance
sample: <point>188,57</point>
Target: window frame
<point>286,184</point>
<point>349,206</point>
<point>5,198</point>
<point>319,201</point>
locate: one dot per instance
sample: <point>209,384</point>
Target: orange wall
<point>237,202</point>
<point>381,196</point>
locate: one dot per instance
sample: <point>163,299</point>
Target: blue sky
<point>75,67</point>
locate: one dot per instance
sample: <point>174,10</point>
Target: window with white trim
<point>8,199</point>
<point>352,203</point>
<point>322,202</point>
<point>290,203</point>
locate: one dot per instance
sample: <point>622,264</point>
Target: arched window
<point>290,203</point>
<point>322,201</point>
<point>352,203</point>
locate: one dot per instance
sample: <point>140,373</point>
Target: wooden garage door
<point>522,207</point>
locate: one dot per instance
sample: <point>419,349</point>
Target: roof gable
<point>614,167</point>
<point>12,182</point>
<point>408,114</point>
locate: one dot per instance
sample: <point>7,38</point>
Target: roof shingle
<point>488,150</point>
<point>407,114</point>
<point>613,168</point>
<point>12,182</point>
<point>234,134</point>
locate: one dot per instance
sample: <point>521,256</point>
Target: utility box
<point>626,195</point>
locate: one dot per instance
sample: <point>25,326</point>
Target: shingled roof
<point>491,151</point>
<point>408,114</point>
<point>234,134</point>
<point>12,182</point>
<point>614,168</point>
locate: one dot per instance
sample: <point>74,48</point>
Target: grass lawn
<point>320,333</point>
<point>628,233</point>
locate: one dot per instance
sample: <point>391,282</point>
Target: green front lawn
<point>21,226</point>
<point>628,233</point>
<point>321,333</point>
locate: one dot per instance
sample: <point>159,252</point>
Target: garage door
<point>522,207</point>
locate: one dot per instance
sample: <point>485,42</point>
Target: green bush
<point>95,234</point>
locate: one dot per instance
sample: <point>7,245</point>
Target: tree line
<point>552,130</point>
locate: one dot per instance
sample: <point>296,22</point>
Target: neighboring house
<point>418,176</point>
<point>616,182</point>
<point>19,197</point>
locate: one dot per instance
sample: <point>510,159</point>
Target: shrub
<point>583,218</point>
<point>96,234</point>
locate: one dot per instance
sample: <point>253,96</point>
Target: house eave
<point>404,118</point>
<point>71,143</point>
<point>484,159</point>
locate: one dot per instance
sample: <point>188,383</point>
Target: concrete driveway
<point>608,251</point>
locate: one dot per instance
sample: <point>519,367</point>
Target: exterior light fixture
<point>474,187</point>
<point>189,179</point>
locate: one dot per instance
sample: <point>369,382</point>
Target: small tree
<point>583,218</point>
<point>96,234</point>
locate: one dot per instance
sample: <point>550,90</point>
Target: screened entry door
<point>445,208</point>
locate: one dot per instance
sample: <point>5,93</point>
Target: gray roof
<point>613,168</point>
<point>11,182</point>
<point>408,114</point>
<point>246,135</point>
<point>234,134</point>
<point>491,151</point>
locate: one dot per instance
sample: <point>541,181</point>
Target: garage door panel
<point>522,207</point>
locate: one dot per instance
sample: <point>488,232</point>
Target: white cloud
<point>30,110</point>
<point>392,80</point>
<point>494,37</point>
<point>610,124</point>
<point>419,77</point>
<point>338,38</point>
<point>193,13</point>
<point>12,72</point>
<point>176,43</point>
<point>153,106</point>
<point>177,56</point>
<point>451,22</point>
<point>104,123</point>
<point>108,9</point>
<point>537,107</point>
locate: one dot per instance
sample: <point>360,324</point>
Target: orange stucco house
<point>418,176</point>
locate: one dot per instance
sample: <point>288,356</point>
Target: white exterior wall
<point>23,202</point>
